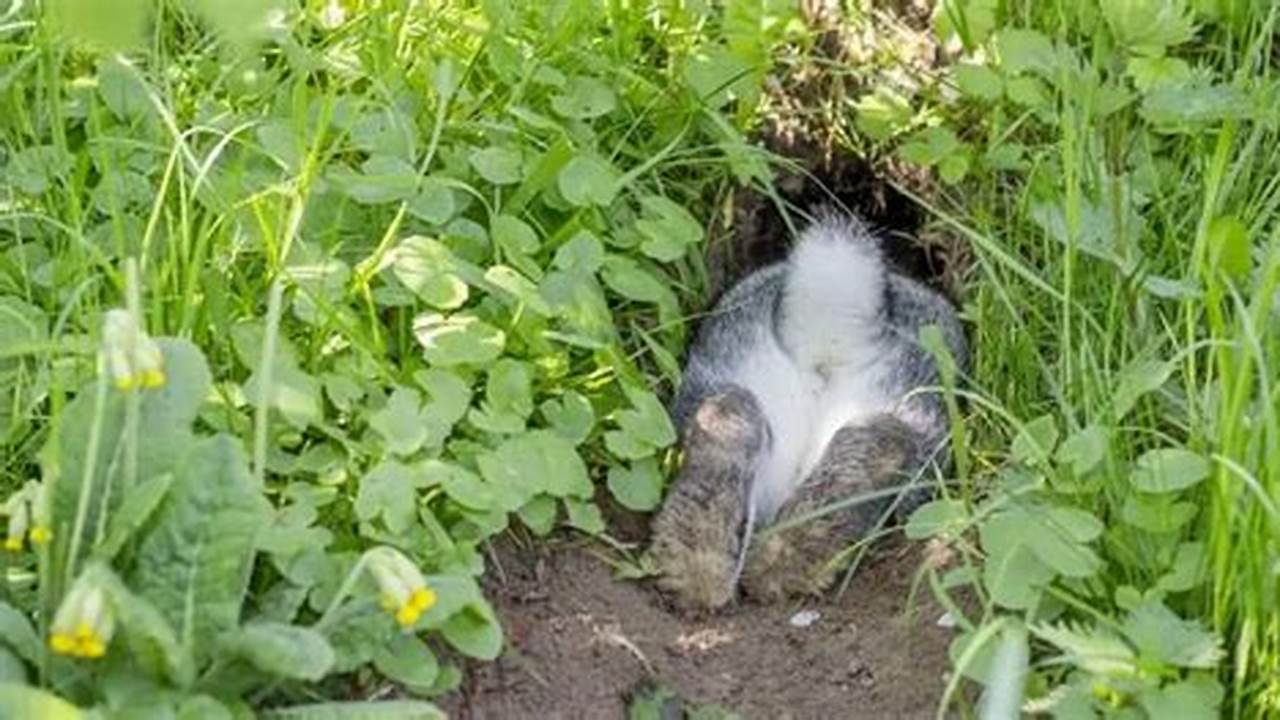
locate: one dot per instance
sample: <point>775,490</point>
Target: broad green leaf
<point>667,228</point>
<point>1157,513</point>
<point>588,179</point>
<point>718,75</point>
<point>1028,92</point>
<point>930,146</point>
<point>1148,27</point>
<point>458,339</point>
<point>152,641</point>
<point>21,701</point>
<point>408,661</point>
<point>642,430</point>
<point>281,650</point>
<point>1077,525</point>
<point>430,270</point>
<point>630,280</point>
<point>465,487</point>
<point>1057,549</point>
<point>536,462</point>
<point>514,235</point>
<point>1015,578</point>
<point>978,81</point>
<point>1137,379</point>
<point>294,393</point>
<point>571,416</point>
<point>1148,73</point>
<point>1189,568</point>
<point>164,432</point>
<point>138,505</point>
<point>372,710</point>
<point>12,668</point>
<point>448,397</point>
<point>17,633</point>
<point>1160,635</point>
<point>882,113</point>
<point>474,631</point>
<point>401,422</point>
<point>1188,106</point>
<point>539,514</point>
<point>203,707</point>
<point>389,491</point>
<point>434,202</point>
<point>508,398</point>
<point>584,98</point>
<point>520,291</point>
<point>1026,51</point>
<point>498,165</point>
<point>36,169</point>
<point>1229,247</point>
<point>941,517</point>
<point>581,253</point>
<point>1169,470</point>
<point>1035,441</point>
<point>194,564</point>
<point>1085,449</point>
<point>584,515</point>
<point>121,90</point>
<point>638,486</point>
<point>1199,697</point>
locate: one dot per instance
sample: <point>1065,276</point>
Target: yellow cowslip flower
<point>18,508</point>
<point>131,356</point>
<point>404,592</point>
<point>40,535</point>
<point>85,621</point>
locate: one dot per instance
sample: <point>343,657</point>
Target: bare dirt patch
<point>579,642</point>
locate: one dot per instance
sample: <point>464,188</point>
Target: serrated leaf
<point>193,565</point>
<point>930,146</point>
<point>939,517</point>
<point>460,339</point>
<point>498,165</point>
<point>285,651</point>
<point>638,486</point>
<point>1149,26</point>
<point>1168,470</point>
<point>1148,73</point>
<point>1092,649</point>
<point>882,113</point>
<point>1159,634</point>
<point>1189,106</point>
<point>588,179</point>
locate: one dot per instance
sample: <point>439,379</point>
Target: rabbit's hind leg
<point>797,556</point>
<point>698,536</point>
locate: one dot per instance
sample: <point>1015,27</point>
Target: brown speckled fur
<point>699,532</point>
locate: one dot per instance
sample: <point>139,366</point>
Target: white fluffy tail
<point>835,293</point>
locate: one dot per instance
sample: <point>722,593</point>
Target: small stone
<point>947,620</point>
<point>804,618</point>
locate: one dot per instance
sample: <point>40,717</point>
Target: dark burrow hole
<point>808,179</point>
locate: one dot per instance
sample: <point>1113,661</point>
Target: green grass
<point>439,258</point>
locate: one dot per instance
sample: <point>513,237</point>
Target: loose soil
<point>579,642</point>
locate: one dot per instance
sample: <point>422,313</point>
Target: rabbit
<point>798,393</point>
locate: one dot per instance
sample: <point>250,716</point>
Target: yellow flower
<point>85,621</point>
<point>13,544</point>
<point>18,508</point>
<point>131,356</point>
<point>404,592</point>
<point>40,535</point>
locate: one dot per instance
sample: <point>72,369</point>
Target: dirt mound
<point>580,641</point>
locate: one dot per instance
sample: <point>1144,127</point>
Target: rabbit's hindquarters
<point>826,510</point>
<point>698,536</point>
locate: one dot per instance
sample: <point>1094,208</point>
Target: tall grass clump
<point>1118,179</point>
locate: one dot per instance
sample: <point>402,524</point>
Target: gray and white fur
<point>799,392</point>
